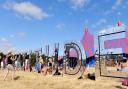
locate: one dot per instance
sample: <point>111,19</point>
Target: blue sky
<point>31,24</point>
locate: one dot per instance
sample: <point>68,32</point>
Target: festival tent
<point>120,43</point>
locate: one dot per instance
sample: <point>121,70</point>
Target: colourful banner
<point>118,43</point>
<point>88,43</point>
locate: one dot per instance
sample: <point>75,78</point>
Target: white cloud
<point>108,30</point>
<point>119,13</point>
<point>76,4</point>
<point>27,10</point>
<point>114,7</point>
<point>103,31</point>
<point>18,34</point>
<point>12,36</point>
<point>108,0</point>
<point>100,22</point>
<point>5,45</point>
<point>124,6</point>
<point>112,29</point>
<point>117,3</point>
<point>60,25</point>
<point>61,0</point>
<point>20,50</point>
<point>79,3</point>
<point>3,39</point>
<point>107,12</point>
<point>22,34</point>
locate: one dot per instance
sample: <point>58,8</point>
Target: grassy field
<point>26,80</point>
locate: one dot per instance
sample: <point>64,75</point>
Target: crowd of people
<point>13,62</point>
<point>19,62</point>
<point>45,65</point>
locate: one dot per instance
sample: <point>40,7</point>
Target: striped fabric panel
<point>88,42</point>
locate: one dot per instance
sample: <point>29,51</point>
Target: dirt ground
<point>26,80</point>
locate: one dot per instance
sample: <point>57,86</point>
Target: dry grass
<point>28,80</point>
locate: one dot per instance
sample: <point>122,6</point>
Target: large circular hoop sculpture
<point>73,59</point>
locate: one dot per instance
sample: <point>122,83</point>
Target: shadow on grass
<point>16,78</point>
<point>119,87</point>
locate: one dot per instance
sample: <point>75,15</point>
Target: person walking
<point>10,65</point>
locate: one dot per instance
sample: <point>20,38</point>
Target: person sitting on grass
<point>10,66</point>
